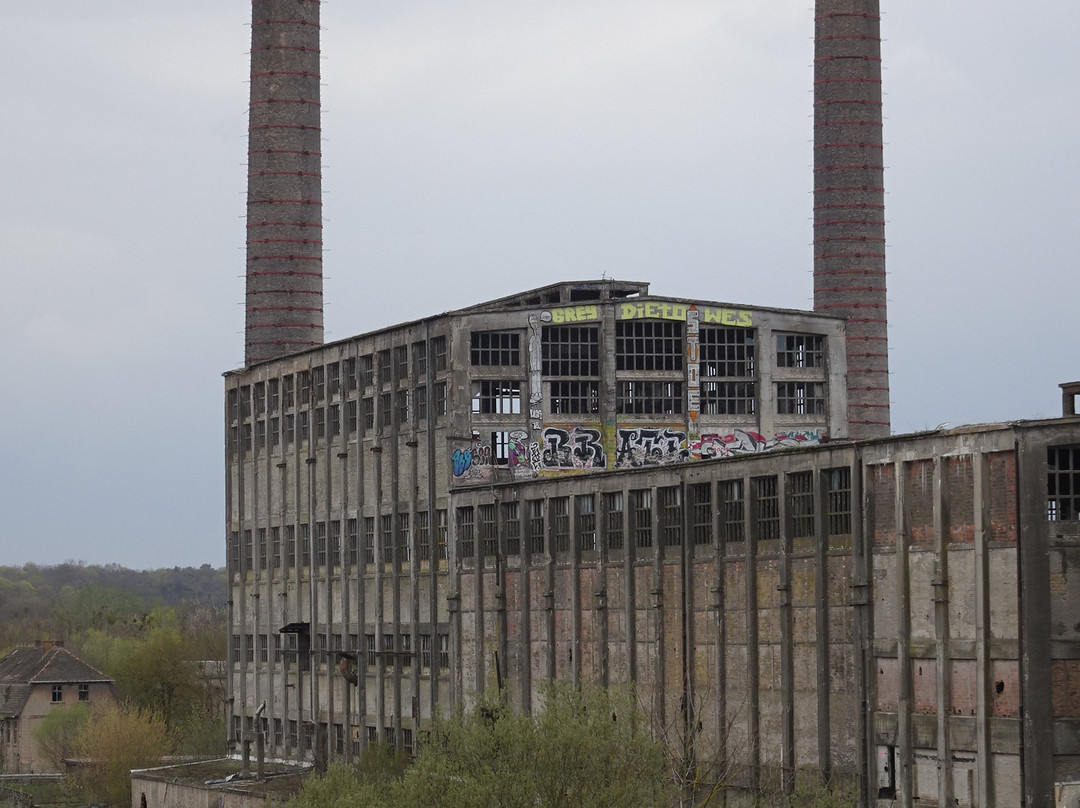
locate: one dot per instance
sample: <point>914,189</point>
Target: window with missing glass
<point>670,503</point>
<point>489,538</point>
<point>585,505</point>
<point>649,397</point>
<point>801,503</point>
<point>574,397</point>
<point>766,508</point>
<point>496,397</point>
<point>838,501</point>
<point>466,525</point>
<point>800,398</point>
<point>613,519</point>
<point>570,350</point>
<point>728,398</point>
<point>495,348</point>
<point>800,350</point>
<point>1063,483</point>
<point>401,364</point>
<point>641,517</point>
<point>536,525</point>
<point>511,527</point>
<point>699,501</point>
<point>656,345</point>
<point>560,524</point>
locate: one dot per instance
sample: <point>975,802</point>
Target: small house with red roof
<point>34,681</point>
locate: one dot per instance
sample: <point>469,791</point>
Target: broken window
<point>800,351</point>
<point>385,366</point>
<point>386,536</point>
<point>496,397</point>
<point>495,348</point>
<point>466,539</point>
<point>641,517</point>
<point>838,501</point>
<point>1063,483</point>
<point>318,380</point>
<point>699,496</point>
<point>649,345</point>
<point>419,360</point>
<point>536,525</point>
<point>800,398</point>
<point>574,397</point>
<point>613,519</point>
<point>333,379</point>
<point>649,397</point>
<point>585,506</point>
<point>727,352</point>
<point>401,364</point>
<point>560,524</point>
<point>801,502</point>
<point>766,508</point>
<point>438,351</point>
<point>728,398</point>
<point>489,539</point>
<point>367,371</point>
<point>423,536</point>
<point>511,527</point>
<point>670,501</point>
<point>731,510</point>
<point>569,350</point>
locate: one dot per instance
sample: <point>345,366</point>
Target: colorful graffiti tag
<point>647,446</point>
<point>477,462</point>
<point>578,447</point>
<point>745,441</point>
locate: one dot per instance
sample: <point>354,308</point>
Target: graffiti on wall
<point>477,462</point>
<point>657,310</point>
<point>746,441</point>
<point>577,447</point>
<point>649,446</point>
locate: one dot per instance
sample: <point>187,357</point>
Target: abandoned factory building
<point>590,483</point>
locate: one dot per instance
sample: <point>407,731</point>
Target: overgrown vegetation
<point>585,748</point>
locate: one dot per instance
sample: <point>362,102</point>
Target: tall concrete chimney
<point>284,207</point>
<point>849,200</point>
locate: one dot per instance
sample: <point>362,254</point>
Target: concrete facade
<point>342,459</point>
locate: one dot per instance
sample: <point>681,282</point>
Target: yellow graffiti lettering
<point>574,314</point>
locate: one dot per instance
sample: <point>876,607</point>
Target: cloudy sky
<point>474,148</point>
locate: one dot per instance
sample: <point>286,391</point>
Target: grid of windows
<point>699,500</point>
<point>641,517</point>
<point>727,352</point>
<point>670,502</point>
<point>649,345</point>
<point>495,348</point>
<point>574,397</point>
<point>489,539</point>
<point>767,508</point>
<point>728,398</point>
<point>838,501</point>
<point>511,527</point>
<point>496,397</point>
<point>613,519</point>
<point>586,522</point>
<point>801,502</point>
<point>800,351</point>
<point>1063,483</point>
<point>570,350</point>
<point>800,398</point>
<point>649,397</point>
<point>536,525</point>
<point>466,539</point>
<point>560,524</point>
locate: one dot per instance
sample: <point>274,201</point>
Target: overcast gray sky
<point>474,148</point>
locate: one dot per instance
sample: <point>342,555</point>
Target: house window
<point>572,351</point>
<point>573,397</point>
<point>801,502</point>
<point>405,650</point>
<point>320,544</point>
<point>419,359</point>
<point>386,535</point>
<point>649,397</point>
<point>84,692</point>
<point>500,448</point>
<point>1063,483</point>
<point>318,379</point>
<point>402,406</point>
<point>352,420</point>
<point>800,398</point>
<point>334,418</point>
<point>369,650</point>
<point>495,348</point>
<point>420,399</point>
<point>649,345</point>
<point>425,653</point>
<point>57,693</point>
<point>333,549</point>
<point>401,364</point>
<point>303,386</point>
<point>444,652</point>
<point>384,410</point>
<point>333,379</point>
<point>348,370</point>
<point>288,397</point>
<point>440,399</point>
<point>385,366</point>
<point>404,542</point>
<point>490,397</point>
<point>367,371</point>
<point>727,352</point>
<point>442,528</point>
<point>369,413</point>
<point>800,350</point>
